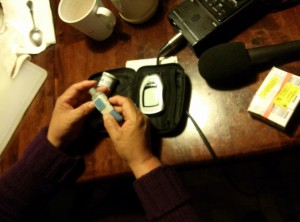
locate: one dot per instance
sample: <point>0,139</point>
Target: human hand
<point>69,112</point>
<point>131,139</point>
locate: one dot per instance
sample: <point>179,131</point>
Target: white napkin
<point>136,64</point>
<point>15,44</point>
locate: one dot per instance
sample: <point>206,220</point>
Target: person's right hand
<point>69,112</point>
<point>131,139</point>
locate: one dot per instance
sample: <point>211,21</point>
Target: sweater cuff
<point>160,192</point>
<point>47,161</point>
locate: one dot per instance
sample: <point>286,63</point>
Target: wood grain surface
<point>221,113</point>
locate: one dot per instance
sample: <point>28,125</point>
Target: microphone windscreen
<point>224,62</point>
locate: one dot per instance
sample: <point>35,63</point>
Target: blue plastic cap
<point>116,115</point>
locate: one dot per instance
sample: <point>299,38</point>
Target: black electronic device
<point>204,23</point>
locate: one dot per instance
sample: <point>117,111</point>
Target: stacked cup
<point>136,11</point>
<point>93,19</point>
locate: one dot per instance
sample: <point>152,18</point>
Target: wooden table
<point>221,114</point>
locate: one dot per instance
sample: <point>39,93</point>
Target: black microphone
<point>229,61</point>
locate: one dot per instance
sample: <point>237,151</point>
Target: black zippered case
<point>176,94</point>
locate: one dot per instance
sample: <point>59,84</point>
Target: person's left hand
<point>69,112</point>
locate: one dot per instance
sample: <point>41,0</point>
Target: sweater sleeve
<point>34,177</point>
<point>163,196</point>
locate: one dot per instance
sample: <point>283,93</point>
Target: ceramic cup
<point>136,11</point>
<point>88,16</point>
<point>2,23</point>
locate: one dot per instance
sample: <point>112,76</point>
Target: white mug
<point>136,11</point>
<point>2,22</point>
<point>88,16</point>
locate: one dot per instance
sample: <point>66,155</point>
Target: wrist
<point>52,139</point>
<point>143,167</point>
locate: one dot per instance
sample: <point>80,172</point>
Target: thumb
<point>110,124</point>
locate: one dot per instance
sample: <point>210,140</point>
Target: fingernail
<point>105,116</point>
<point>91,105</point>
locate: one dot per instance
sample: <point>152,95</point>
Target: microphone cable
<point>166,49</point>
<point>220,163</point>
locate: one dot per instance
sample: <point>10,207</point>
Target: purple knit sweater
<point>43,168</point>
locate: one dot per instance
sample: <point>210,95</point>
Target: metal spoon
<point>35,34</point>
